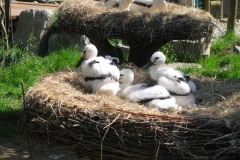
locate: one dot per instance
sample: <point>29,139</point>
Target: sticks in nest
<point>104,135</point>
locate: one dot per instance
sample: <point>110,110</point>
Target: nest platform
<point>144,32</point>
<point>57,112</point>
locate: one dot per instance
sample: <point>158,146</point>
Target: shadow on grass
<point>8,122</point>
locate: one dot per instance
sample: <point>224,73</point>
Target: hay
<point>58,112</point>
<point>175,23</point>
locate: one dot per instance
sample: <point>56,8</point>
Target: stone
<point>31,21</point>
<point>36,22</point>
<point>60,40</point>
<point>198,48</point>
<point>236,48</point>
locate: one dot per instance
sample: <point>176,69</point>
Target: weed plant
<point>172,56</point>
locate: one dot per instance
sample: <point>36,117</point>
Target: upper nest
<point>176,22</point>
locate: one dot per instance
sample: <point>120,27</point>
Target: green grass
<point>27,68</point>
<point>222,62</point>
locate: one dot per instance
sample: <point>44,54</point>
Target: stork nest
<point>177,22</point>
<point>56,111</point>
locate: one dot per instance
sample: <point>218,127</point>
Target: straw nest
<point>176,22</point>
<point>56,111</point>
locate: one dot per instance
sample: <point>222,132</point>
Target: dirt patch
<point>17,149</point>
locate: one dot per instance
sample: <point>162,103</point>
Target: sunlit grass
<point>222,62</point>
<point>28,69</point>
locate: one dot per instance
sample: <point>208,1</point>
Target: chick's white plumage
<point>89,51</point>
<point>100,75</point>
<point>122,5</point>
<point>176,82</point>
<point>148,5</point>
<point>156,95</point>
<point>158,70</point>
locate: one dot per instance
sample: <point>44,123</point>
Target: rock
<point>183,65</point>
<point>36,22</point>
<point>197,48</point>
<point>59,40</point>
<point>236,48</point>
<point>31,21</point>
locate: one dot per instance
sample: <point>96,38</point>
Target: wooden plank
<point>207,5</point>
<point>232,15</point>
<point>215,3</point>
<point>7,12</point>
<point>18,7</point>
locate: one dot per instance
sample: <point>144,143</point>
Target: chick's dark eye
<point>121,75</point>
<point>156,58</point>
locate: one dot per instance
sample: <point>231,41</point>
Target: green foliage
<point>172,56</point>
<point>30,45</point>
<point>15,54</point>
<point>28,69</point>
<point>222,63</point>
<point>224,45</point>
<point>10,56</point>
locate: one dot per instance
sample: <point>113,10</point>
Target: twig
<point>103,140</point>
<point>227,135</point>
<point>156,156</point>
<point>112,122</point>
<point>23,94</point>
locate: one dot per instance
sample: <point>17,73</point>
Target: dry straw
<point>175,23</point>
<point>58,112</point>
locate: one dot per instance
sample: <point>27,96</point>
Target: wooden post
<point>2,25</point>
<point>207,5</point>
<point>232,15</point>
<point>7,11</point>
<point>220,10</point>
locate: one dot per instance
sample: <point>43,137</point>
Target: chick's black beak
<point>149,64</point>
<point>80,62</point>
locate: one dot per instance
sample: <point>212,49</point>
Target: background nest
<point>57,112</point>
<point>176,22</point>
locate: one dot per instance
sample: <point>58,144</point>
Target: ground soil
<point>17,149</point>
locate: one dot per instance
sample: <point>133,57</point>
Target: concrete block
<point>197,48</point>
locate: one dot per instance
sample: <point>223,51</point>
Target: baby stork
<point>156,95</point>
<point>176,82</point>
<point>100,75</point>
<point>148,5</point>
<point>89,51</point>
